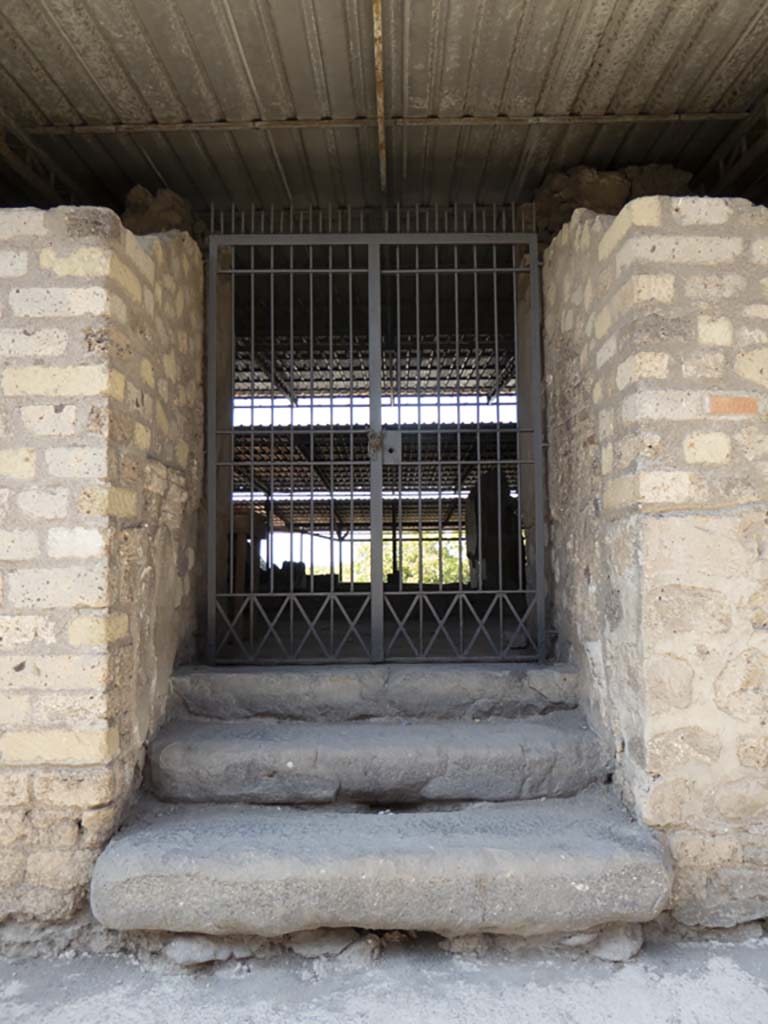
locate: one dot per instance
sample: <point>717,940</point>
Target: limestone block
<point>49,420</point>
<point>18,545</point>
<point>98,825</point>
<point>56,381</point>
<point>697,551</point>
<point>715,330</point>
<point>652,288</point>
<point>642,366</point>
<point>14,787</point>
<point>714,287</point>
<point>753,752</point>
<point>125,279</point>
<point>22,630</point>
<point>670,802</point>
<point>86,261</point>
<point>23,222</point>
<point>741,689</point>
<point>76,542</point>
<point>59,746</point>
<point>669,682</point>
<point>15,827</point>
<point>44,502</point>
<point>82,462</point>
<point>108,501</point>
<point>142,436</point>
<point>671,404</point>
<point>663,486</point>
<point>59,869</point>
<point>70,709</point>
<point>704,364</point>
<point>643,212</point>
<point>680,747</point>
<point>58,588</point>
<point>753,366</point>
<point>758,607</point>
<point>147,373</point>
<point>707,447</point>
<point>18,463</point>
<point>22,342</point>
<point>674,249</point>
<point>92,630</point>
<point>55,302</point>
<point>742,800</point>
<point>691,211</point>
<point>15,710</point>
<point>72,787</point>
<point>53,671</point>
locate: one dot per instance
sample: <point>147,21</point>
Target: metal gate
<point>375,478</point>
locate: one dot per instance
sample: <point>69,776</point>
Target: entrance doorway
<point>375,490</point>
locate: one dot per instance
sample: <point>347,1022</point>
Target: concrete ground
<point>683,983</point>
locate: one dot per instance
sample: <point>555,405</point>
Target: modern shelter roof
<point>276,101</point>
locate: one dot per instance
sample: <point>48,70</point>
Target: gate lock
<point>389,443</point>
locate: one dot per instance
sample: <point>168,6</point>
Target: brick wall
<point>100,471</point>
<point>656,352</point>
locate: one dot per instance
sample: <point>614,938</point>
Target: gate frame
<point>374,241</point>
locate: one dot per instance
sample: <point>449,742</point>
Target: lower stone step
<point>377,762</point>
<point>346,692</point>
<point>532,868</point>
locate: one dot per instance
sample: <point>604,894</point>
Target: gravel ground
<point>681,983</point>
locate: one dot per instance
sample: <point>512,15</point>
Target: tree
<point>432,561</point>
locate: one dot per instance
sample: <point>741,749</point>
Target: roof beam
<point>32,165</point>
<point>737,153</point>
<point>381,121</point>
<point>303,124</point>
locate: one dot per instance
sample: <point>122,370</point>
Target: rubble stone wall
<point>100,476</point>
<point>656,353</point>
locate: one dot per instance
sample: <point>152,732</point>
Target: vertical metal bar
<point>457,329</point>
<point>399,580</point>
<point>351,386</point>
<point>310,279</point>
<point>377,475</point>
<point>331,447</point>
<point>254,547</point>
<point>518,430</point>
<point>419,453</point>
<point>438,369</point>
<point>232,440</point>
<point>538,448</point>
<point>212,445</point>
<point>478,449</point>
<point>501,474</point>
<point>271,505</point>
<point>291,447</point>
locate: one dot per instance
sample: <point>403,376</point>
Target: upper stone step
<point>532,868</point>
<point>377,762</point>
<point>348,692</point>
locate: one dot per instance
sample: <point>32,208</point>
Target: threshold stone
<point>531,868</point>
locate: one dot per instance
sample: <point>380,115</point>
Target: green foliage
<point>416,565</point>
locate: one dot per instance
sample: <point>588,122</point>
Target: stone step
<point>530,868</point>
<point>348,692</point>
<point>377,762</point>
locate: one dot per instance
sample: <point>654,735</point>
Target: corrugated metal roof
<point>88,62</point>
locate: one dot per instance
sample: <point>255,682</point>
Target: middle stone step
<point>376,762</point>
